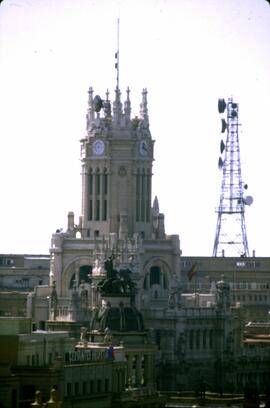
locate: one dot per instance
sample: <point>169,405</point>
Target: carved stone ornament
<point>122,172</point>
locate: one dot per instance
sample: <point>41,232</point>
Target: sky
<point>187,53</point>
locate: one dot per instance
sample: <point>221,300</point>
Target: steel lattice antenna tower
<point>231,236</point>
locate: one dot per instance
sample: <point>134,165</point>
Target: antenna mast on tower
<point>231,236</point>
<point>117,57</point>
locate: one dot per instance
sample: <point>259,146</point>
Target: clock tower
<point>118,220</point>
<point>117,157</point>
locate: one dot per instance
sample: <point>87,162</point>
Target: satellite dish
<point>98,103</point>
<point>248,200</point>
<point>221,105</point>
<point>233,113</point>
<point>245,186</point>
<point>222,146</point>
<point>220,163</point>
<point>223,125</point>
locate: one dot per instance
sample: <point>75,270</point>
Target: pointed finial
<point>127,107</point>
<point>90,116</point>
<point>155,206</point>
<point>117,105</point>
<point>107,106</point>
<point>144,110</point>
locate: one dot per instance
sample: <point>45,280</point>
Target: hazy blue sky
<point>187,53</point>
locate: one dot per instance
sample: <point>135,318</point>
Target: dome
<point>221,285</point>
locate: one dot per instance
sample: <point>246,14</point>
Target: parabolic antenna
<point>98,103</point>
<point>234,113</point>
<point>248,200</point>
<point>223,125</point>
<point>220,163</point>
<point>221,105</point>
<point>222,146</point>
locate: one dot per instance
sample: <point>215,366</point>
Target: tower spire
<point>231,236</point>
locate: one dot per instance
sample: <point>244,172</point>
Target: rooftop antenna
<point>231,236</point>
<point>117,57</point>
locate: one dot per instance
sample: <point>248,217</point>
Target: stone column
<point>129,369</point>
<point>138,369</point>
<point>94,197</point>
<point>101,195</point>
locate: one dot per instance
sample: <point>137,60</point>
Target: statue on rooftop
<point>116,282</point>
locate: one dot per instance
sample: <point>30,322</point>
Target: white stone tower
<point>117,156</point>
<point>117,217</point>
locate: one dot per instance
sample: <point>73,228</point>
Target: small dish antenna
<point>221,105</point>
<point>220,163</point>
<point>248,200</point>
<point>222,146</point>
<point>98,103</point>
<point>223,125</point>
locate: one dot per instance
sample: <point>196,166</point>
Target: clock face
<point>98,147</point>
<point>144,148</point>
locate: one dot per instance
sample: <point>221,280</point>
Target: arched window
<point>84,276</point>
<point>155,275</point>
<point>85,271</point>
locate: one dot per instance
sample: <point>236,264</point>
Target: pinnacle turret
<point>127,106</point>
<point>102,115</point>
<point>117,106</point>
<point>90,112</point>
<point>144,109</point>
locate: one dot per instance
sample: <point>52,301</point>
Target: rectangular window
<point>191,339</point>
<point>90,184</point>
<point>148,198</point>
<point>198,339</point>
<point>137,197</point>
<point>92,389</point>
<point>97,184</point>
<point>84,391</point>
<point>76,388</point>
<point>97,210</point>
<point>99,385</point>
<point>211,339</point>
<point>143,199</point>
<point>104,210</point>
<point>105,183</point>
<point>90,215</point>
<point>204,338</point>
<point>69,389</point>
